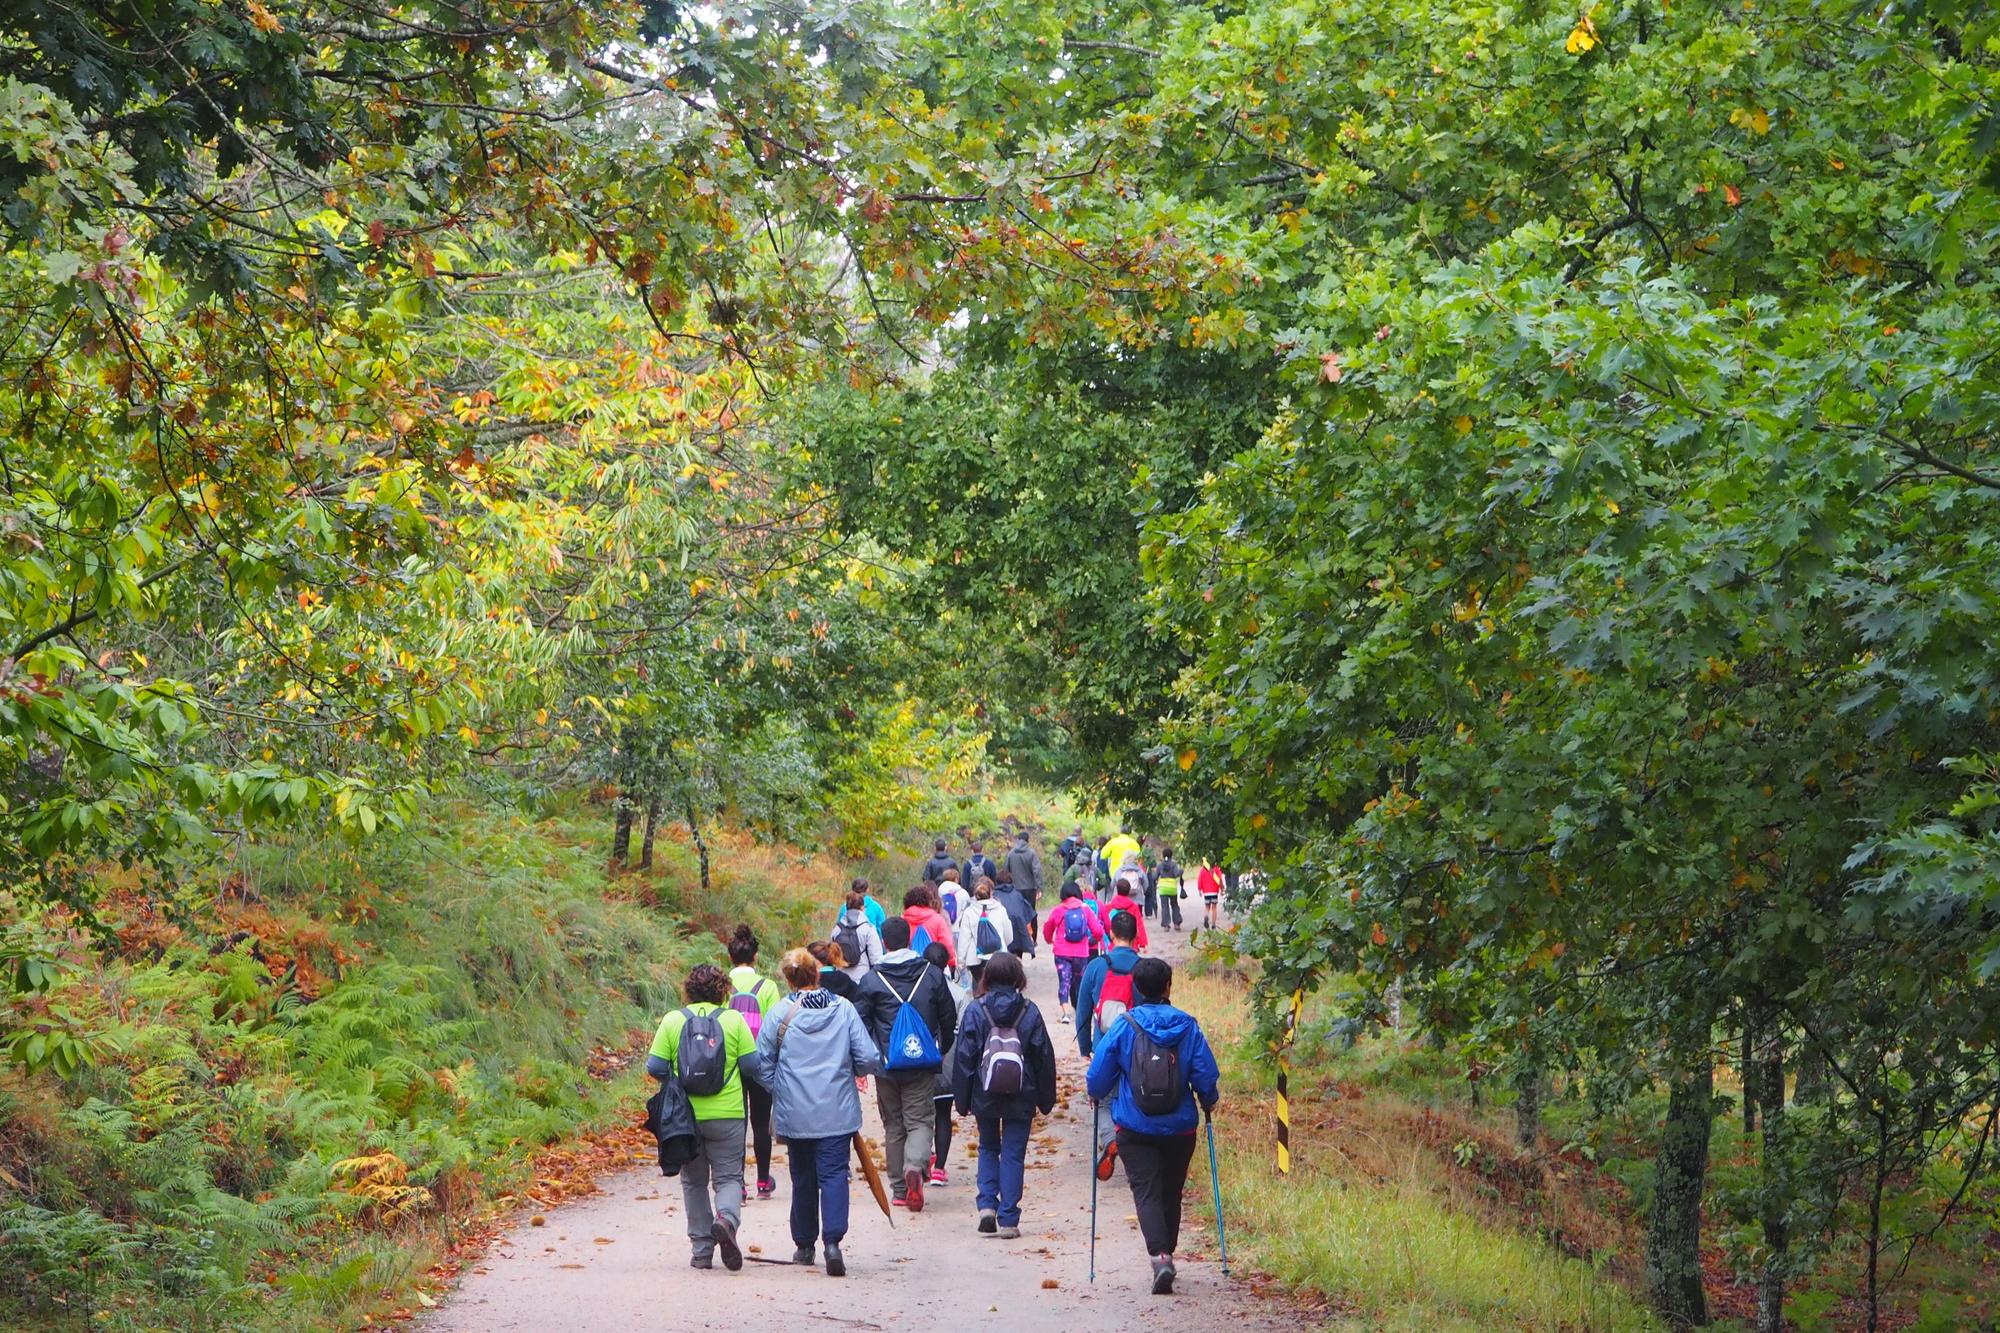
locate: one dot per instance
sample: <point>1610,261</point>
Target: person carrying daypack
<point>871,908</point>
<point>706,1049</point>
<point>1073,930</point>
<point>984,929</point>
<point>1155,1069</point>
<point>942,1116</point>
<point>1020,912</point>
<point>1024,868</point>
<point>814,1048</point>
<point>1168,888</point>
<point>928,923</point>
<point>911,1015</point>
<point>953,896</point>
<point>1103,997</point>
<point>1121,900</point>
<point>860,939</point>
<point>1003,1073</point>
<point>939,863</point>
<point>1066,849</point>
<point>752,996</point>
<point>977,863</point>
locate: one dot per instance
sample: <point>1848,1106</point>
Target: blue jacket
<point>1169,1027</point>
<point>1003,1005</point>
<point>811,1077</point>
<point>1124,957</point>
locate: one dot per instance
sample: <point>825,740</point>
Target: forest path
<point>619,1259</point>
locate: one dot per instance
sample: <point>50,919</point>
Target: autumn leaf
<point>1329,367</point>
<point>1754,119</point>
<point>1733,195</point>
<point>1462,424</point>
<point>1583,37</point>
<point>1187,760</point>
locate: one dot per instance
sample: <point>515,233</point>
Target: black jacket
<point>1038,1092</point>
<point>839,983</point>
<point>923,985</point>
<point>1022,912</point>
<point>939,863</point>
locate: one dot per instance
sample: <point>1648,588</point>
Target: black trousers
<point>1170,909</point>
<point>760,1126</point>
<point>1157,1166</point>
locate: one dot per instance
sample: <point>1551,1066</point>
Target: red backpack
<point>1114,1001</point>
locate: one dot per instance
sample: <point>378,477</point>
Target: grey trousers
<point>719,1167</point>
<point>908,1122</point>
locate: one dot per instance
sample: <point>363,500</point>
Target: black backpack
<point>671,1121</point>
<point>702,1061</point>
<point>1154,1075</point>
<point>847,935</point>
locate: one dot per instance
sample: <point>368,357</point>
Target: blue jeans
<point>1003,1163</point>
<point>819,1188</point>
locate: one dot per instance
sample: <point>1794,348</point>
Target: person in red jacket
<point>921,909</point>
<point>1209,881</point>
<point>1122,900</point>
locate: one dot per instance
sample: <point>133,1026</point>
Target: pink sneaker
<point>938,1176</point>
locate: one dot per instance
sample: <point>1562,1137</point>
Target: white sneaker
<point>1065,1018</point>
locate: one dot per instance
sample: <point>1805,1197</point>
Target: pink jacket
<point>1124,903</point>
<point>937,924</point>
<point>1054,933</point>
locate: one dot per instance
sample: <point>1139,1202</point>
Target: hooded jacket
<point>1003,1005</point>
<point>904,975</point>
<point>1024,867</point>
<point>936,923</point>
<point>1124,902</point>
<point>870,939</point>
<point>1021,912</point>
<point>1167,1026</point>
<point>811,1072</point>
<point>969,952</point>
<point>1122,959</point>
<point>939,863</point>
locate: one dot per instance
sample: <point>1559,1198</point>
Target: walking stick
<point>1093,1193</point>
<point>1215,1181</point>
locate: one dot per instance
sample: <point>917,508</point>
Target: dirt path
<point>619,1260</point>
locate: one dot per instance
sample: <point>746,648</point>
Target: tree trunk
<point>1680,1172</point>
<point>646,844</point>
<point>1814,1085</point>
<point>621,835</point>
<point>1748,1069</point>
<point>1775,1201</point>
<point>1527,1106</point>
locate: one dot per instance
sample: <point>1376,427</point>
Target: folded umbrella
<point>874,1175</point>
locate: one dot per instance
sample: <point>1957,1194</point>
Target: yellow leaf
<point>1259,820</point>
<point>1187,760</point>
<point>1463,425</point>
<point>1582,38</point>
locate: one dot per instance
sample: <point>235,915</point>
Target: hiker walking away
<point>1153,1067</point>
<point>752,996</point>
<point>912,1018</point>
<point>1209,883</point>
<point>1067,847</point>
<point>1123,900</point>
<point>1119,849</point>
<point>939,863</point>
<point>859,938</point>
<point>869,906</point>
<point>1167,885</point>
<point>953,896</point>
<point>1020,912</point>
<point>812,1049</point>
<point>928,923</point>
<point>1073,930</point>
<point>1102,998</point>
<point>942,1112</point>
<point>832,972</point>
<point>708,1048</point>
<point>977,863</point>
<point>1082,868</point>
<point>984,929</point>
<point>1024,867</point>
<point>1003,1072</point>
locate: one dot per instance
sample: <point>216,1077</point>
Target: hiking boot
<point>701,1261</point>
<point>803,1255</point>
<point>913,1190</point>
<point>766,1188</point>
<point>1163,1275</point>
<point>1107,1161</point>
<point>725,1241</point>
<point>837,1266</point>
<point>989,1222</point>
<point>1009,1233</point>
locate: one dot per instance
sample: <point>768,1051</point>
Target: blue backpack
<point>1076,926</point>
<point>911,1046</point>
<point>920,939</point>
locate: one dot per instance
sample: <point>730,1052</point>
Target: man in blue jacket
<point>1153,1068</point>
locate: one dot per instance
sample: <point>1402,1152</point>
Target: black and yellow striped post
<point>1284,1084</point>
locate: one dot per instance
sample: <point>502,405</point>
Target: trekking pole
<point>1093,1193</point>
<point>1215,1182</point>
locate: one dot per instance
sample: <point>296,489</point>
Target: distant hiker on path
<point>709,1049</point>
<point>984,929</point>
<point>1209,882</point>
<point>753,996</point>
<point>1119,849</point>
<point>814,1047</point>
<point>859,936</point>
<point>976,864</point>
<point>1024,867</point>
<point>1104,997</point>
<point>1166,885</point>
<point>928,924</point>
<point>1073,930</point>
<point>873,909</point>
<point>912,1018</point>
<point>939,863</point>
<point>1004,1071</point>
<point>1067,848</point>
<point>1153,1068</point>
<point>1021,912</point>
<point>953,896</point>
<point>1123,899</point>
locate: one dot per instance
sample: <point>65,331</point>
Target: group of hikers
<point>931,1004</point>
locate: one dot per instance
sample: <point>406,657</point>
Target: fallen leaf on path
<point>538,1221</point>
<point>602,1240</point>
<point>569,1265</point>
<point>1050,1284</point>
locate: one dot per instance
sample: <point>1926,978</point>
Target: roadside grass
<point>1398,1217</point>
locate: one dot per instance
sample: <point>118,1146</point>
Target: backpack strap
<point>905,999</point>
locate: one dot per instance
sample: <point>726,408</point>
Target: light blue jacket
<point>811,1074</point>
